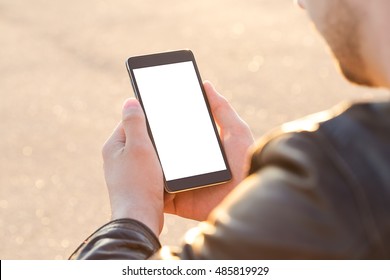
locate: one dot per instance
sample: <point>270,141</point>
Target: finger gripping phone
<point>180,123</point>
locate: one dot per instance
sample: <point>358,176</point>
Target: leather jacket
<point>318,188</point>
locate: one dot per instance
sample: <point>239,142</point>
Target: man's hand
<point>134,176</point>
<point>132,171</point>
<point>236,138</point>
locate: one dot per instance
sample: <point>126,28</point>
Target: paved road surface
<point>63,81</point>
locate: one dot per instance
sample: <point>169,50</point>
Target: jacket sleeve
<point>119,240</point>
<point>292,205</point>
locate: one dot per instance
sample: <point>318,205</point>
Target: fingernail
<point>131,104</point>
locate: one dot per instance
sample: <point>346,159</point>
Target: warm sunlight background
<point>63,82</point>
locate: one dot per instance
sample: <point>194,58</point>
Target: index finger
<point>224,114</point>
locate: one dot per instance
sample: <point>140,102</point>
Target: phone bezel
<point>197,181</point>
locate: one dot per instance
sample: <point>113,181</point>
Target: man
<point>317,188</point>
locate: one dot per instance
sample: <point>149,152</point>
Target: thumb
<point>134,123</point>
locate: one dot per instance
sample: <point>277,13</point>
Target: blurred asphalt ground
<point>63,82</point>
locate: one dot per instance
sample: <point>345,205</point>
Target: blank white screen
<point>179,120</point>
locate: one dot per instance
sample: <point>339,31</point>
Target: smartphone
<point>180,124</point>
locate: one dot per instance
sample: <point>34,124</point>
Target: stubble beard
<point>342,31</point>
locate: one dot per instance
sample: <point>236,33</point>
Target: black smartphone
<point>180,124</point>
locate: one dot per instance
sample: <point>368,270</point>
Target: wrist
<point>150,215</point>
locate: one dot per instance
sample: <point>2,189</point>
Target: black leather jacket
<point>317,189</point>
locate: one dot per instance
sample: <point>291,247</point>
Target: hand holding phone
<point>133,172</point>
